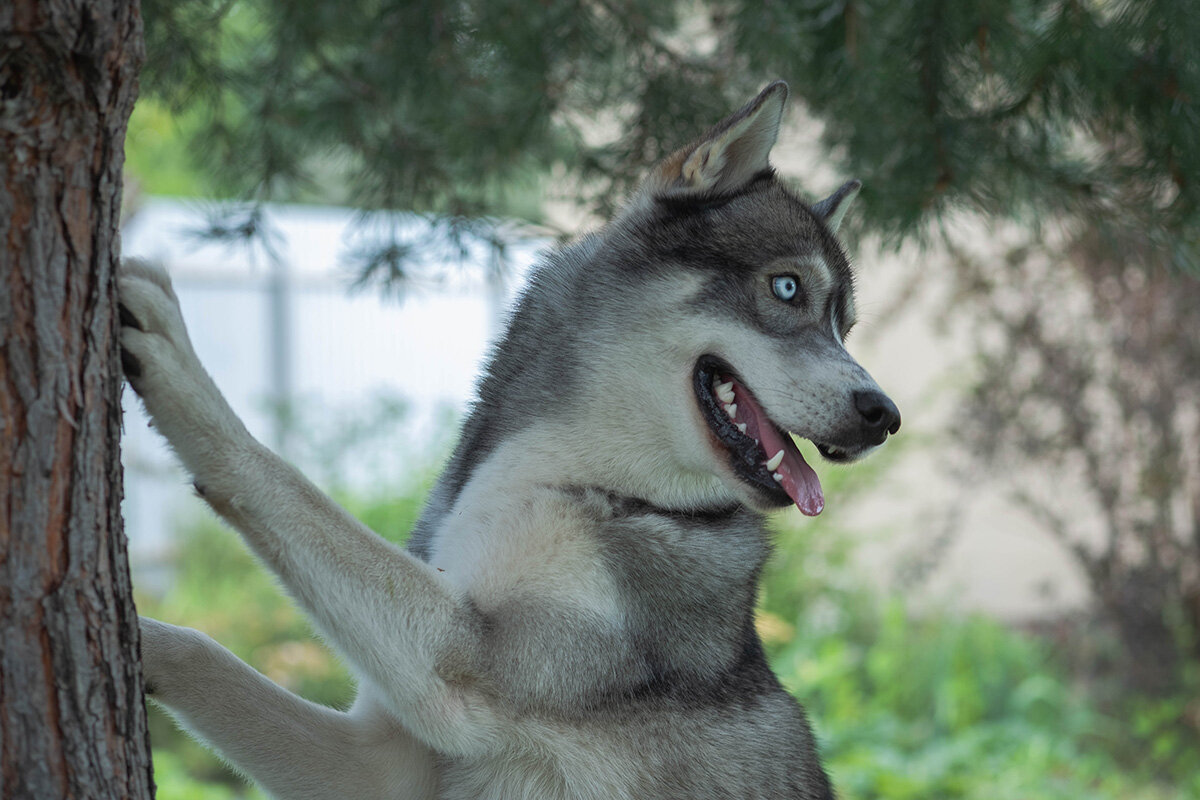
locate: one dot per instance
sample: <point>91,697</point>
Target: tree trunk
<point>72,717</point>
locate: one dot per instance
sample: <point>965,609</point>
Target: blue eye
<point>784,286</point>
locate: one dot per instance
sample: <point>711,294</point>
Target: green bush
<point>942,705</point>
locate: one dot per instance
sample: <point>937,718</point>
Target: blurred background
<point>1004,603</point>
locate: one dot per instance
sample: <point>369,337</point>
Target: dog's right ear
<point>728,157</point>
<point>833,208</point>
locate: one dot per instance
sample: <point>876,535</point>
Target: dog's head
<point>747,295</point>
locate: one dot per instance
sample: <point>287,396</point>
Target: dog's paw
<point>161,365</point>
<point>182,400</point>
<point>154,340</point>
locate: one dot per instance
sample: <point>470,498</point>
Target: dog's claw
<point>127,318</point>
<point>131,366</point>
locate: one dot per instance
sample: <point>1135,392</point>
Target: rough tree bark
<point>72,718</point>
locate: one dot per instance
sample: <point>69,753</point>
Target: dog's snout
<point>878,412</point>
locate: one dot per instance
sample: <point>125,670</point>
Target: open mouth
<point>761,453</point>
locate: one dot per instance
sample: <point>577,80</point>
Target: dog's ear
<point>728,157</point>
<point>833,208</point>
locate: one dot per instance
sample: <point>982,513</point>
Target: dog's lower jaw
<point>760,454</point>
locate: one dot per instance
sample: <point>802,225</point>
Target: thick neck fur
<point>589,417</point>
<point>643,600</point>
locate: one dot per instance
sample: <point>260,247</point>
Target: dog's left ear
<point>833,208</point>
<point>729,156</point>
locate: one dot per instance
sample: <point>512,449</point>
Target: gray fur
<point>574,616</point>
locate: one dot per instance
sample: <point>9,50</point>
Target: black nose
<point>878,412</point>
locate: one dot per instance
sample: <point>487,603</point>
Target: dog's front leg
<point>393,617</point>
<point>292,748</point>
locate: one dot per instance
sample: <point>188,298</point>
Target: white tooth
<point>725,392</point>
<point>731,410</point>
<point>775,461</point>
<point>778,478</point>
<point>741,426</point>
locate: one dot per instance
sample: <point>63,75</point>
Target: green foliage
<point>158,159</point>
<point>455,109</point>
<point>1007,106</point>
<point>941,705</point>
<point>1084,110</point>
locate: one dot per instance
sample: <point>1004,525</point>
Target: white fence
<point>282,330</point>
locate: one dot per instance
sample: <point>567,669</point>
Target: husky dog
<point>574,615</point>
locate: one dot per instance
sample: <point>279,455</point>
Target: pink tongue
<point>799,480</point>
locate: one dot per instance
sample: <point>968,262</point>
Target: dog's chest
<point>568,766</point>
<point>501,543</point>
